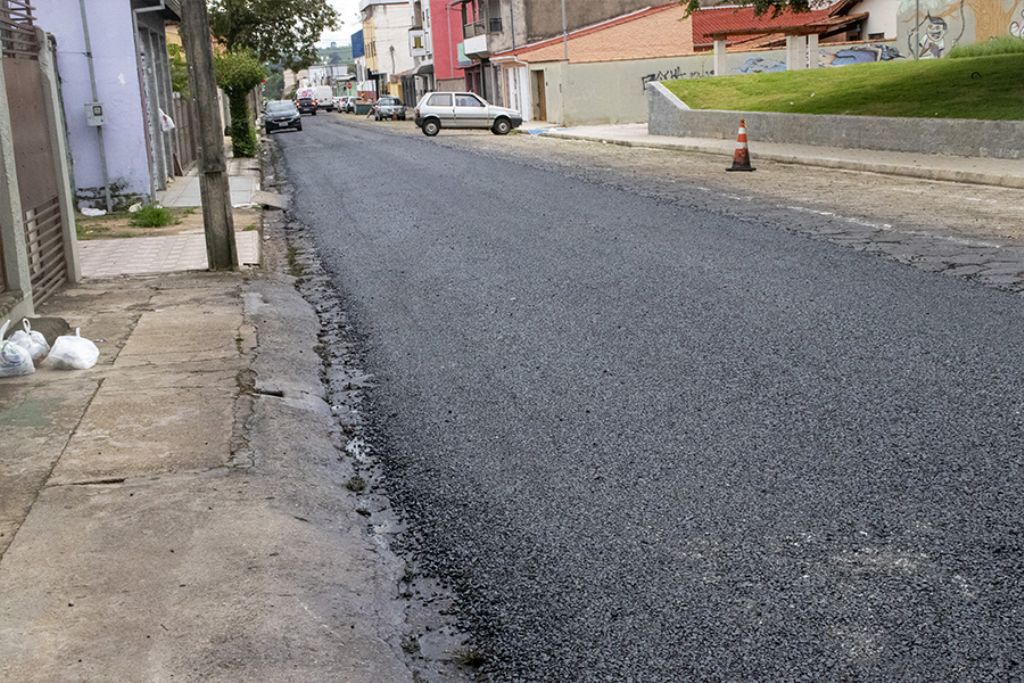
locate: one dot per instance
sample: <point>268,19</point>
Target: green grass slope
<point>989,87</point>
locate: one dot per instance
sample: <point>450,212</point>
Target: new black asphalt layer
<point>652,441</point>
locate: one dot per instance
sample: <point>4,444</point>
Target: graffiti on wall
<point>761,65</point>
<point>931,28</point>
<point>844,56</point>
<point>860,54</point>
<point>674,74</point>
<point>1017,27</point>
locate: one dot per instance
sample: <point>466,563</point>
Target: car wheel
<point>501,127</point>
<point>267,129</point>
<point>298,127</point>
<point>431,127</point>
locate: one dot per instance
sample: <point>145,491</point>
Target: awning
<point>420,70</point>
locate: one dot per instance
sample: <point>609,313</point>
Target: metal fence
<point>39,182</point>
<point>17,35</point>
<point>186,138</point>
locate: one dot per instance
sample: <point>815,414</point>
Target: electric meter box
<point>94,114</point>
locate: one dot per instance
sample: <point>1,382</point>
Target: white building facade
<point>386,26</point>
<point>420,79</point>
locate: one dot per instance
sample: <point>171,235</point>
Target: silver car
<point>439,110</point>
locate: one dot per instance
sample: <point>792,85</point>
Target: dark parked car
<point>389,108</point>
<point>281,115</point>
<point>306,105</point>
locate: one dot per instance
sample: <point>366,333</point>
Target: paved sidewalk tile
<point>1001,172</point>
<point>184,192</point>
<point>163,254</point>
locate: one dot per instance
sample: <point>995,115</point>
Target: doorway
<point>540,103</point>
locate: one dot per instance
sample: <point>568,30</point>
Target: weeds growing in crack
<point>471,657</point>
<point>410,644</point>
<point>294,267</point>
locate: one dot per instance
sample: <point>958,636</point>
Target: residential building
<point>365,87</point>
<point>327,74</point>
<point>386,25</point>
<point>420,78</point>
<point>603,79</point>
<point>493,26</point>
<point>446,45</point>
<point>598,73</point>
<point>118,49</point>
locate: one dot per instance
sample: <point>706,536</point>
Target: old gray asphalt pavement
<point>658,441</point>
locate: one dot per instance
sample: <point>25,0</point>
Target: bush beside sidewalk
<point>179,511</point>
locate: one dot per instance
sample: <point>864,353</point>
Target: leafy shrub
<point>1004,45</point>
<point>179,70</point>
<point>151,216</point>
<point>238,74</point>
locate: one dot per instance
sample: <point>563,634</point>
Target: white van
<point>324,96</point>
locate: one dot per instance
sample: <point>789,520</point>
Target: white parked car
<point>437,110</point>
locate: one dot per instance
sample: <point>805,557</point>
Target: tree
<point>774,7</point>
<point>274,30</point>
<point>238,74</point>
<point>179,69</point>
<point>274,89</point>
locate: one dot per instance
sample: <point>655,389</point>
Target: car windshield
<point>388,101</point>
<point>280,107</point>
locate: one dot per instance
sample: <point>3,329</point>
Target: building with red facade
<point>446,39</point>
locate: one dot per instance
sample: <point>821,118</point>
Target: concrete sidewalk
<point>999,172</point>
<point>178,512</point>
<point>162,254</point>
<point>243,183</point>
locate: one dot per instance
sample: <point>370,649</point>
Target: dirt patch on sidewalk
<point>185,220</point>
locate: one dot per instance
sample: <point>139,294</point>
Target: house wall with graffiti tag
<point>929,29</point>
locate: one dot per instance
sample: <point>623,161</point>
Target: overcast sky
<point>349,11</point>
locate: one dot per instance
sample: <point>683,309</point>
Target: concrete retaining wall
<point>954,137</point>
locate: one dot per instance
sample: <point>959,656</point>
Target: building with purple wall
<point>131,153</point>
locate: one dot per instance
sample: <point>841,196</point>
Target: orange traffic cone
<point>741,157</point>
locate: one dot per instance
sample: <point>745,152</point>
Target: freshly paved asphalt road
<point>653,442</point>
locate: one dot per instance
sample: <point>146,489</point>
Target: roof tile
<point>661,31</point>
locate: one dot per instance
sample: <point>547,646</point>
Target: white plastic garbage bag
<point>14,360</point>
<point>73,352</point>
<point>33,342</point>
<point>166,122</point>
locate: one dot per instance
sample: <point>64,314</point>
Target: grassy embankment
<point>963,86</point>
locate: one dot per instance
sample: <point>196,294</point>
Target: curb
<point>972,177</point>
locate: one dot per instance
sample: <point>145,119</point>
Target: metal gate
<point>33,149</point>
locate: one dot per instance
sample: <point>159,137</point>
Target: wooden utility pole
<point>213,178</point>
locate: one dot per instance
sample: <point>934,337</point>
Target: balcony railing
<point>479,28</point>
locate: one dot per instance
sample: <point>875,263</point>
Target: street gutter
<point>724,147</point>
